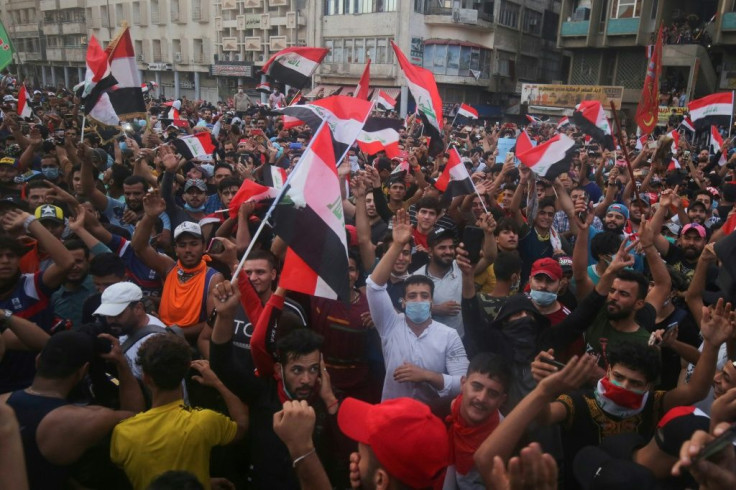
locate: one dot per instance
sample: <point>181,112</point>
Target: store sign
<point>159,66</point>
<point>416,53</point>
<point>232,69</point>
<point>568,96</point>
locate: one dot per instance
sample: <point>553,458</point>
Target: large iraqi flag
<point>423,88</point>
<point>712,110</point>
<point>590,117</point>
<point>294,66</point>
<point>309,218</point>
<point>94,90</point>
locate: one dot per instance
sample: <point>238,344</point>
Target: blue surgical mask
<point>418,311</point>
<point>194,210</point>
<point>543,298</point>
<point>51,173</point>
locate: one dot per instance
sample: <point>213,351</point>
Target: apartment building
<point>22,19</point>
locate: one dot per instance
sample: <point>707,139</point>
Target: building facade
<point>22,19</point>
<point>606,41</point>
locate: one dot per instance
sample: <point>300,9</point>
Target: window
<point>154,12</point>
<point>196,10</point>
<point>532,22</point>
<point>509,15</point>
<point>440,59</point>
<point>528,68</point>
<point>453,60</point>
<point>157,50</point>
<point>381,51</point>
<point>625,9</point>
<point>428,56</point>
<point>360,51</point>
<point>337,58</point>
<point>464,67</point>
<point>329,44</point>
<point>457,61</point>
<point>505,63</point>
<point>340,7</point>
<point>174,6</point>
<point>136,13</point>
<point>348,50</point>
<point>419,6</point>
<point>104,17</point>
<point>357,50</point>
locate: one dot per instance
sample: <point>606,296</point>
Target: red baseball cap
<point>409,441</point>
<point>549,267</point>
<point>693,226</point>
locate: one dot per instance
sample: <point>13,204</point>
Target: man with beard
<point>126,317</point>
<point>684,253</point>
<point>8,172</point>
<point>68,300</point>
<point>615,221</point>
<point>296,372</point>
<point>447,277</point>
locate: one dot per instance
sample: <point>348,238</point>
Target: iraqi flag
<point>274,176</point>
<point>294,66</point>
<point>385,101</point>
<point>687,123</point>
<point>24,108</point>
<point>565,121</point>
<point>127,95</point>
<point>380,134</point>
<point>292,122</point>
<point>344,115</point>
<point>467,111</point>
<point>716,109</point>
<point>251,191</point>
<point>590,117</point>
<point>674,165</point>
<point>363,87</point>
<point>551,158</point>
<point>716,145</point>
<point>533,119</point>
<point>675,140</point>
<point>94,90</point>
<point>195,146</point>
<point>309,219</point>
<point>455,179</point>
<point>523,142</point>
<point>423,88</point>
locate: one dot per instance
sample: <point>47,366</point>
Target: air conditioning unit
<point>177,57</point>
<point>139,58</point>
<point>238,57</point>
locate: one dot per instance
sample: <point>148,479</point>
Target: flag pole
<point>731,125</point>
<point>272,208</point>
<point>619,134</point>
<point>84,121</point>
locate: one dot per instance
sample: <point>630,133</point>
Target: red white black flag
<point>194,146</point>
<point>385,101</point>
<point>24,108</point>
<point>423,88</point>
<point>467,111</point>
<point>344,115</point>
<point>455,179</point>
<point>309,218</point>
<point>590,117</point>
<point>127,95</point>
<point>716,109</point>
<point>551,158</point>
<point>380,134</point>
<point>294,66</point>
<point>93,91</point>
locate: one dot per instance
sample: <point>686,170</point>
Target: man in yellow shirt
<point>171,436</point>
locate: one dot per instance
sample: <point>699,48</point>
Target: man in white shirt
<point>126,316</point>
<point>425,359</point>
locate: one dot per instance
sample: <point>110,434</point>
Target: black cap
<point>595,469</point>
<point>13,201</point>
<point>439,234</point>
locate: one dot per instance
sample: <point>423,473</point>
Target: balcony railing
<point>622,27</point>
<point>430,9</point>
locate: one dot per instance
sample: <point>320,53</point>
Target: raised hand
<point>583,210</point>
<point>207,376</point>
<point>168,158</point>
<point>461,257</point>
<point>76,223</point>
<point>487,223</point>
<point>531,470</point>
<point>623,258</point>
<point>569,378</point>
<point>716,326</point>
<point>402,230</point>
<point>13,219</point>
<point>153,204</point>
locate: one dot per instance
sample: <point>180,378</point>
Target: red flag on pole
<point>361,91</point>
<point>647,112</point>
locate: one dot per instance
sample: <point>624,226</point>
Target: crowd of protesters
<point>567,333</point>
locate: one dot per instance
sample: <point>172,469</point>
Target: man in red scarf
<point>475,414</point>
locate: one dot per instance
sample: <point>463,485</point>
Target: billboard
<point>666,111</point>
<point>568,96</point>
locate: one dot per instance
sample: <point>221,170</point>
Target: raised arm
<point>21,334</point>
<point>583,283</point>
<point>153,205</point>
<point>402,234</point>
<point>362,224</point>
<point>662,280</point>
<point>694,294</point>
<point>89,189</point>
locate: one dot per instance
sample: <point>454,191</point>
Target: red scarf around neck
<point>465,438</point>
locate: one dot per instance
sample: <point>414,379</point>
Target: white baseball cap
<point>117,297</point>
<point>188,227</point>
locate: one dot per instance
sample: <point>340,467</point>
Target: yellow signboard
<point>568,96</point>
<point>666,111</point>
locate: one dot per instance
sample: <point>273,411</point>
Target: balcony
<point>27,56</point>
<point>70,4</point>
<point>436,15</point>
<point>73,28</point>
<point>48,5</point>
<point>77,54</point>
<point>623,27</point>
<point>575,28</point>
<point>51,30</point>
<point>55,54</point>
